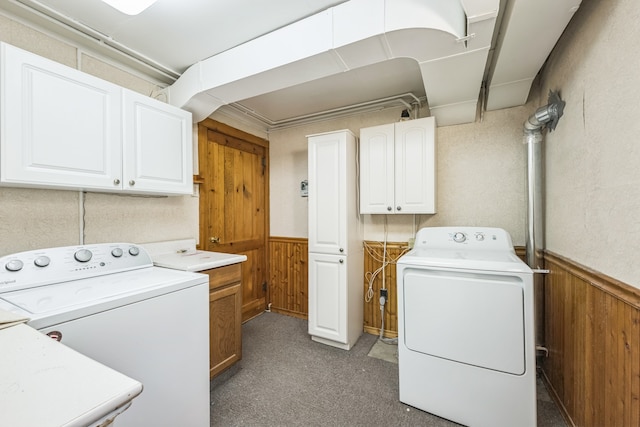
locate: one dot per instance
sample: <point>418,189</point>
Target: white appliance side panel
<point>163,342</point>
<point>476,319</point>
<point>327,297</point>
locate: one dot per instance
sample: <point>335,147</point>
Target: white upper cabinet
<point>58,125</point>
<point>61,128</point>
<point>397,168</point>
<point>157,146</point>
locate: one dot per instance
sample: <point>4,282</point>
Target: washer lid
<point>79,298</point>
<point>465,259</point>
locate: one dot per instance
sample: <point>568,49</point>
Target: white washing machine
<point>108,302</point>
<point>466,347</point>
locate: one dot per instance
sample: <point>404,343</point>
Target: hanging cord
<point>376,256</point>
<point>384,259</point>
<point>383,299</point>
<point>371,277</point>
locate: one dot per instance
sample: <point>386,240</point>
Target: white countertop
<point>46,384</point>
<point>182,255</point>
<point>197,260</point>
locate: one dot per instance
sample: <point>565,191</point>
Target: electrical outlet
<point>383,294</point>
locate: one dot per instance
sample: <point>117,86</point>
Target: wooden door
<point>234,180</point>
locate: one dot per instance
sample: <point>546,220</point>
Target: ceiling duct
<point>449,40</point>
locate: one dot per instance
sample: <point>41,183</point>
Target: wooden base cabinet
<point>225,317</point>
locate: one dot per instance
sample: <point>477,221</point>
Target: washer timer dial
<point>459,237</point>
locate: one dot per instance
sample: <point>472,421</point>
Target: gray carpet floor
<point>285,379</point>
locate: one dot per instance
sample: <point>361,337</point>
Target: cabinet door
<point>415,166</point>
<point>60,127</point>
<point>376,170</point>
<point>157,146</point>
<point>225,317</point>
<point>327,193</point>
<point>225,346</point>
<point>328,297</point>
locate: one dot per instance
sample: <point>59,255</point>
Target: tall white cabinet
<point>335,241</point>
<point>397,168</point>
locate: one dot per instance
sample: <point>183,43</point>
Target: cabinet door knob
<point>116,181</point>
<point>341,249</point>
<point>399,208</point>
<point>132,183</point>
<point>389,208</point>
<point>341,261</point>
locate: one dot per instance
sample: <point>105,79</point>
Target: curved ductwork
<point>546,117</point>
<point>449,40</point>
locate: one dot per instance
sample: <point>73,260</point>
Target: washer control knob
<point>479,237</point>
<point>459,237</point>
<point>117,252</point>
<point>55,335</point>
<point>134,251</point>
<point>14,265</point>
<point>42,261</point>
<point>83,255</point>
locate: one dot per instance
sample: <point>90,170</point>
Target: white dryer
<point>466,347</point>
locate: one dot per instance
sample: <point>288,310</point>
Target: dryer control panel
<point>481,238</point>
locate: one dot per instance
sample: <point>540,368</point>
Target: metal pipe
<point>544,118</point>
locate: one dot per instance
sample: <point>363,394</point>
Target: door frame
<point>213,125</point>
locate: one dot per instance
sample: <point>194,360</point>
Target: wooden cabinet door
<point>61,128</point>
<point>234,204</point>
<point>157,146</point>
<point>225,317</point>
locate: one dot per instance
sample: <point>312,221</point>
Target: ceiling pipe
<point>332,113</point>
<point>93,38</point>
<point>544,118</point>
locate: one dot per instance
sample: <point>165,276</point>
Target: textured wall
<point>31,219</point>
<point>593,179</point>
<point>480,176</point>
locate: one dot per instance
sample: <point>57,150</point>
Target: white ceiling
<point>172,35</point>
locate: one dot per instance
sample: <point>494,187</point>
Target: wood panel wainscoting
<point>592,332</point>
<point>289,281</point>
<point>289,276</point>
<point>373,256</point>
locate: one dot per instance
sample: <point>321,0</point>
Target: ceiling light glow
<point>130,7</point>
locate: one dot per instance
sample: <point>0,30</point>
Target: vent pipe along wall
<point>544,117</point>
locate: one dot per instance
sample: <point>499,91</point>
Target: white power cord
<point>384,259</point>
